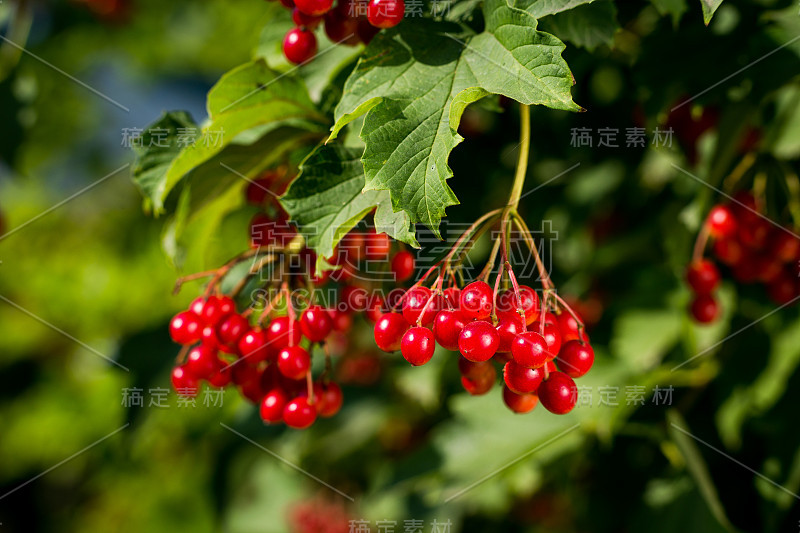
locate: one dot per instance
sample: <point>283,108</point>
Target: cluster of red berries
<point>268,364</point>
<point>350,22</point>
<point>752,247</point>
<point>540,362</point>
<point>319,515</point>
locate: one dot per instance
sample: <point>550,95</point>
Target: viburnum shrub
<point>748,245</point>
<point>332,222</point>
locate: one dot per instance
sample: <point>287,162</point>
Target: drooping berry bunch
<point>267,353</point>
<point>541,342</point>
<point>748,245</point>
<point>349,22</point>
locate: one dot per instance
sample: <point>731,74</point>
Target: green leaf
<point>709,8</point>
<point>160,144</point>
<point>326,200</point>
<point>415,80</point>
<point>587,26</point>
<point>245,104</point>
<point>673,8</point>
<point>542,8</point>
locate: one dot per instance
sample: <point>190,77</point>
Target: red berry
<point>258,189</point>
<point>520,379</point>
<point>196,306</point>
<point>299,45</point>
<point>185,328</point>
<point>366,31</point>
<point>452,297</point>
<point>552,336</point>
<point>529,349</point>
<point>702,276</point>
<point>417,345</point>
<point>316,323</point>
<point>755,234</point>
<point>478,341</point>
<point>231,329</point>
<point>328,399</point>
<point>253,346</point>
<point>221,376</point>
<point>352,245</point>
<point>341,320</point>
<point>477,300</point>
<point>519,403</point>
<point>385,13</point>
<point>243,372</point>
<point>389,331</point>
<point>569,327</point>
<point>721,222</point>
<point>303,20</point>
<point>272,406</point>
<point>728,251</point>
<point>216,308</point>
<point>282,333</point>
<point>299,414</point>
<point>314,7</point>
<point>704,308</point>
<point>447,327</point>
<point>768,267</point>
<point>341,28</point>
<point>783,289</point>
<point>403,265</point>
<point>786,247</point>
<point>202,362</point>
<point>473,370</point>
<point>558,393</point>
<point>375,309</point>
<point>416,300</point>
<point>507,302</point>
<point>509,325</point>
<point>353,298</point>
<point>480,383</point>
<point>575,359</point>
<point>184,383</point>
<point>294,362</point>
<point>746,271</point>
<point>376,246</point>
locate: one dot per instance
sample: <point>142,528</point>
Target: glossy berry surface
<point>721,221</point>
<point>476,300</point>
<point>575,359</point>
<point>299,45</point>
<point>704,308</point>
<point>558,393</point>
<point>447,328</point>
<point>316,323</point>
<point>420,306</point>
<point>507,303</point>
<point>703,276</point>
<point>389,331</point>
<point>509,325</point>
<point>403,265</point>
<point>299,414</point>
<point>232,328</point>
<point>294,362</point>
<point>519,403</point>
<point>480,383</point>
<point>417,345</point>
<point>385,13</point>
<point>329,399</point>
<point>184,383</point>
<point>272,405</point>
<point>202,362</point>
<point>520,379</point>
<point>529,349</point>
<point>552,337</point>
<point>253,346</point>
<point>282,332</point>
<point>313,7</point>
<point>185,328</point>
<point>478,341</point>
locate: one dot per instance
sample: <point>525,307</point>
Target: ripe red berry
<point>196,306</point>
<point>755,234</point>
<point>507,302</point>
<point>353,298</point>
<point>243,372</point>
<point>728,251</point>
<point>416,300</point>
<point>480,383</point>
<point>221,377</point>
<point>569,327</point>
<point>520,379</point>
<point>575,359</point>
<point>272,405</point>
<point>316,323</point>
<point>403,265</point>
<point>477,300</point>
<point>786,247</point>
<point>282,333</point>
<point>472,369</point>
<point>389,331</point>
<point>231,329</point>
<point>185,328</point>
<point>529,349</point>
<point>784,289</point>
<point>702,276</point>
<point>768,267</point>
<point>341,320</point>
<point>294,362</point>
<point>303,20</point>
<point>184,383</point>
<point>376,245</point>
<point>447,328</point>
<point>258,189</point>
<point>385,13</point>
<point>509,325</point>
<point>375,309</point>
<point>704,308</point>
<point>299,414</point>
<point>313,7</point>
<point>215,309</point>
<point>478,341</point>
<point>519,403</point>
<point>721,222</point>
<point>552,336</point>
<point>417,345</point>
<point>558,393</point>
<point>202,362</point>
<point>253,346</point>
<point>452,297</point>
<point>341,28</point>
<point>299,45</point>
<point>328,399</point>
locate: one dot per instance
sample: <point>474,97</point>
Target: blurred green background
<point>83,280</point>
